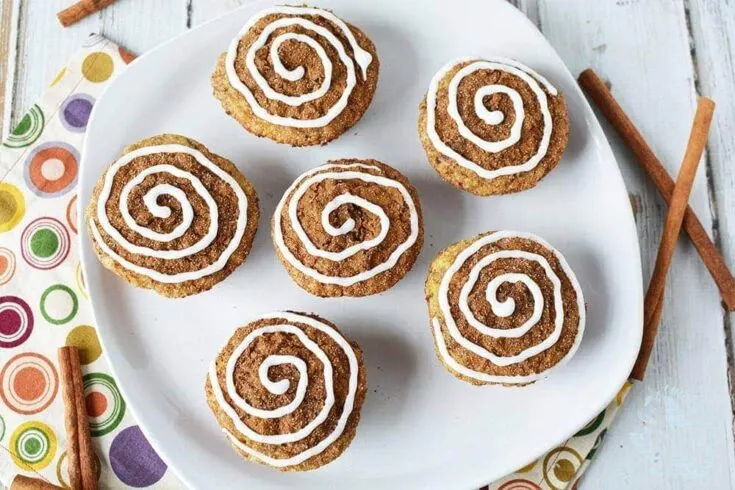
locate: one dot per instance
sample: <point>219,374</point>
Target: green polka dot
<point>105,404</point>
<point>59,304</point>
<point>597,444</point>
<point>32,446</point>
<point>23,126</point>
<point>591,426</point>
<point>28,130</point>
<point>44,243</point>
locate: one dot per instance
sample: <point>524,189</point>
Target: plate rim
<point>590,119</point>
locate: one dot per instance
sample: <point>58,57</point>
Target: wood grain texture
<point>676,430</point>
<point>666,437</point>
<point>598,94</point>
<point>8,48</point>
<point>678,205</point>
<point>530,8</point>
<point>204,10</point>
<point>712,25</point>
<point>140,25</point>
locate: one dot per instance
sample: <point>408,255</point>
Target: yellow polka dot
<point>85,338</point>
<point>12,206</point>
<point>81,284</point>
<point>527,468</point>
<point>623,393</point>
<point>564,470</point>
<point>58,77</point>
<point>33,445</point>
<point>97,67</point>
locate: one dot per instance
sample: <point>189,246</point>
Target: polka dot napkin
<point>43,302</point>
<point>43,305</point>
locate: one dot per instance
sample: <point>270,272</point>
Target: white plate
<point>421,428</point>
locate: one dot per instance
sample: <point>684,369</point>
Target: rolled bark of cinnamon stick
<point>70,418</point>
<point>80,10</point>
<point>596,89</point>
<point>80,453</point>
<point>653,303</point>
<point>21,482</point>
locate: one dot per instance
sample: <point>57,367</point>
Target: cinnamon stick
<point>653,303</point>
<point>596,89</point>
<point>21,482</point>
<point>80,454</point>
<point>80,10</point>
<point>70,418</point>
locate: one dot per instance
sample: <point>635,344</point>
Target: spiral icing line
<point>102,221</point>
<point>288,326</point>
<point>291,16</point>
<point>535,82</point>
<point>505,308</point>
<point>350,171</point>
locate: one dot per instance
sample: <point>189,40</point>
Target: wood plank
<point>713,26</point>
<point>667,436</point>
<point>8,43</point>
<point>528,7</point>
<point>204,10</point>
<point>140,25</point>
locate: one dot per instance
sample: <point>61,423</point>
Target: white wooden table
<point>676,431</point>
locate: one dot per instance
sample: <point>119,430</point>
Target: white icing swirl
<point>505,308</point>
<point>289,326</point>
<point>534,82</point>
<point>361,57</point>
<point>352,171</point>
<point>102,219</point>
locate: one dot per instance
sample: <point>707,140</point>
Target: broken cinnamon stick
<point>80,10</point>
<point>21,482</point>
<point>653,303</point>
<point>596,89</point>
<point>80,454</point>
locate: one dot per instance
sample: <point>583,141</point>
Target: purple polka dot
<point>16,321</point>
<point>9,322</point>
<point>75,112</point>
<point>133,459</point>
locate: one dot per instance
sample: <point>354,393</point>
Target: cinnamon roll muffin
<point>492,126</point>
<point>505,308</point>
<point>349,228</point>
<point>172,216</point>
<point>287,390</point>
<point>297,75</point>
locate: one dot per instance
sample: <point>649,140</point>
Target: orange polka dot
<point>4,263</point>
<point>96,404</point>
<point>29,383</point>
<point>126,55</point>
<point>61,155</point>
